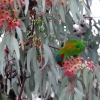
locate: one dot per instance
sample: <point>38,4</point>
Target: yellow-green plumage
<point>71,48</point>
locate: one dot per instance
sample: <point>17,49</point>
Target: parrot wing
<point>70,48</point>
<point>64,52</point>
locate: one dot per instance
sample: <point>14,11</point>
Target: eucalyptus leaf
<point>85,76</point>
<point>37,77</point>
<point>63,93</point>
<point>8,86</point>
<point>26,6</point>
<point>75,97</point>
<point>43,5</point>
<point>16,46</point>
<point>4,97</point>
<point>51,59</point>
<point>15,88</point>
<point>23,26</point>
<point>28,89</point>
<point>61,12</point>
<point>29,57</point>
<point>79,86</point>
<point>64,82</point>
<point>79,92</point>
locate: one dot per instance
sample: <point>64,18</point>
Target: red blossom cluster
<point>9,14</point>
<point>49,2</point>
<point>71,66</point>
<point>11,2</point>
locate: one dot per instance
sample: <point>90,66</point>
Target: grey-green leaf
<point>16,47</point>
<point>26,6</point>
<point>79,92</point>
<point>85,77</point>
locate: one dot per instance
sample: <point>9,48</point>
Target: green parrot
<point>71,48</point>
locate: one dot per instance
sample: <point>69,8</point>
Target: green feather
<point>71,48</point>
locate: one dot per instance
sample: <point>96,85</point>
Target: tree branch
<point>53,47</point>
<point>22,88</point>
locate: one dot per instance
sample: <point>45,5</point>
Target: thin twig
<point>53,47</point>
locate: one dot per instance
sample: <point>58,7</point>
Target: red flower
<point>90,64</point>
<point>69,72</point>
<point>67,65</point>
<point>49,3</point>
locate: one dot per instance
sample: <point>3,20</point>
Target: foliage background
<point>45,24</point>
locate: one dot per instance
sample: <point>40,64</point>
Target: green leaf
<point>16,46</point>
<point>85,76</point>
<point>45,57</point>
<point>43,5</point>
<point>27,22</point>
<point>75,97</point>
<point>13,80</point>
<point>28,92</point>
<point>46,24</point>
<point>17,63</point>
<point>31,81</point>
<point>79,92</point>
<point>51,26</point>
<point>4,26</point>
<point>29,57</point>
<point>63,93</point>
<point>56,27</point>
<point>48,91</point>
<point>67,96</point>
<point>19,3</point>
<point>97,73</point>
<point>15,88</point>
<point>70,96</point>
<point>34,59</point>
<point>61,12</point>
<point>70,22</point>
<point>15,6</point>
<point>2,44</point>
<point>37,77</point>
<point>51,59</point>
<point>73,11</point>
<point>2,65</point>
<point>44,80</point>
<point>52,80</point>
<point>23,26</point>
<point>64,82</point>
<point>22,56</point>
<point>4,97</point>
<point>8,86</point>
<point>77,11</point>
<point>79,86</point>
<point>2,56</point>
<point>88,11</point>
<point>8,40</point>
<point>26,6</point>
<point>19,32</point>
<point>93,54</point>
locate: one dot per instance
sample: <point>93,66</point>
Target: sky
<point>95,8</point>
